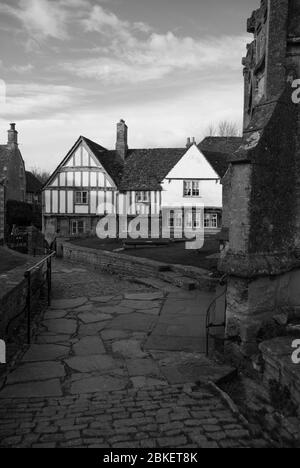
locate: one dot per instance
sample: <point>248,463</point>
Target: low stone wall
<point>135,266</point>
<point>279,366</point>
<point>13,294</point>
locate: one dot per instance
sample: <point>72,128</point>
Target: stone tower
<point>263,259</point>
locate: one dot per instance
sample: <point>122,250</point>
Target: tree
<point>225,128</point>
<point>41,174</point>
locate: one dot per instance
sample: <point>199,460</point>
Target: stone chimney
<point>188,143</point>
<point>12,136</point>
<point>122,139</point>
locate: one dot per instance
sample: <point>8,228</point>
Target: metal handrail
<point>30,293</point>
<point>210,324</point>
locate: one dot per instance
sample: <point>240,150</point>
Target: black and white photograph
<point>149,227</point>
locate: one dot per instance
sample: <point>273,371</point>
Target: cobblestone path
<point>114,364</point>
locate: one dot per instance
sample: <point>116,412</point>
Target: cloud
<point>158,56</point>
<point>25,101</point>
<point>134,53</point>
<point>22,69</point>
<point>45,18</point>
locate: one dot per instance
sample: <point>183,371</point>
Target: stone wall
<point>13,295</point>
<point>2,213</point>
<point>137,267</point>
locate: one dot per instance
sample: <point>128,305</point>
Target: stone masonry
<point>2,212</point>
<point>263,256</point>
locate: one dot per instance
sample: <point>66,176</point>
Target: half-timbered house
<point>92,182</point>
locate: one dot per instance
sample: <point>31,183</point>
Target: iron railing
<point>210,325</point>
<point>47,280</point>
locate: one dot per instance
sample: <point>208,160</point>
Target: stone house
<point>12,175</point>
<point>2,211</point>
<point>12,167</point>
<point>92,182</point>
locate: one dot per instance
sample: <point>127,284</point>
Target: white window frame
<point>81,196</point>
<point>193,220</point>
<point>142,196</point>
<point>191,188</point>
<point>211,220</point>
<point>76,227</point>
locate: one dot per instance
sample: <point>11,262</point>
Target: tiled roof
<point>219,150</point>
<point>33,185</point>
<point>110,160</point>
<point>5,154</point>
<point>145,169</point>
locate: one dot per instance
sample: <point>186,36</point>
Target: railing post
<point>28,277</point>
<point>49,280</point>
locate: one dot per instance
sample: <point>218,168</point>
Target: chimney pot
<point>12,135</point>
<point>188,143</point>
<point>122,139</point>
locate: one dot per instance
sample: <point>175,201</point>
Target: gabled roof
<point>33,184</point>
<point>110,160</point>
<point>145,169</point>
<point>218,151</point>
<point>5,154</point>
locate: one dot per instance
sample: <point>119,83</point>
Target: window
<point>81,198</point>
<point>191,188</point>
<point>193,220</point>
<point>77,227</point>
<point>142,197</point>
<point>175,219</point>
<point>21,172</point>
<point>210,220</point>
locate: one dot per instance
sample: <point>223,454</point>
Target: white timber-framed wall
<point>80,172</point>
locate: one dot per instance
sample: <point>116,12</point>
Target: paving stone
<point>137,367</point>
<point>134,322</point>
<point>96,363</point>
<point>90,345</point>
<point>93,317</point>
<point>49,338</point>
<point>103,299</point>
<point>98,384</point>
<point>144,296</point>
<point>63,326</point>
<point>114,334</point>
<point>143,382</point>
<point>116,309</point>
<point>128,348</point>
<point>91,329</point>
<point>53,314</point>
<point>36,371</point>
<point>45,352</point>
<point>139,305</point>
<point>48,388</point>
<point>68,303</point>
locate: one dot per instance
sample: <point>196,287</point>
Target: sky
<point>169,68</point>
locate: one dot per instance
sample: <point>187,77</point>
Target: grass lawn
<point>174,253</point>
<point>10,260</point>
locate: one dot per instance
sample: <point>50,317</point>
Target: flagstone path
<point>117,364</point>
